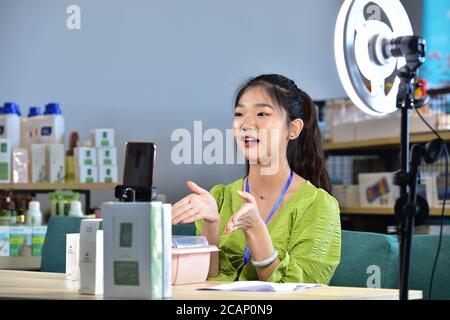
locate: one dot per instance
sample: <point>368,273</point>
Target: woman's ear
<point>295,127</point>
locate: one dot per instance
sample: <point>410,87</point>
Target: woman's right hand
<point>200,204</point>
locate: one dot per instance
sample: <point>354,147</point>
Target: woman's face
<point>260,127</point>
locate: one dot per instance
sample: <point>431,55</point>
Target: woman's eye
<point>237,114</point>
<point>262,114</point>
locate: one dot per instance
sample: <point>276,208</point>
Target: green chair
<point>422,258</point>
<point>54,249</point>
<point>183,229</point>
<point>364,256</point>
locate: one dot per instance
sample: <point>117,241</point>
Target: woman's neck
<point>267,181</point>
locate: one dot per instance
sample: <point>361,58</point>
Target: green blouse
<point>306,231</point>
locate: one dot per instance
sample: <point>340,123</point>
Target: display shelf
<point>55,186</point>
<point>20,263</point>
<point>358,146</point>
<point>384,211</point>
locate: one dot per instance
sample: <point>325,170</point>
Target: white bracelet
<point>266,262</point>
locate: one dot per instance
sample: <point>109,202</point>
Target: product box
<point>103,137</point>
<point>73,256</point>
<point>107,174</point>
<point>4,241</point>
<point>435,186</point>
<point>134,250</point>
<point>343,132</point>
<point>56,163</point>
<point>85,156</point>
<point>91,257</point>
<point>38,239</point>
<point>86,174</point>
<point>377,128</point>
<point>20,168</point>
<point>5,161</point>
<point>107,156</point>
<point>20,241</point>
<point>346,195</point>
<point>377,189</point>
<point>167,250</point>
<point>38,163</point>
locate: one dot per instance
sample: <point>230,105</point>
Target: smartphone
<point>139,164</point>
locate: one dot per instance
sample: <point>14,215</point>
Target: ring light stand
<point>372,50</point>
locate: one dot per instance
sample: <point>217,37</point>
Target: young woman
<point>279,223</point>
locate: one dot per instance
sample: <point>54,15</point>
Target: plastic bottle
<point>50,125</point>
<point>29,130</point>
<point>75,209</point>
<point>10,123</point>
<point>34,214</point>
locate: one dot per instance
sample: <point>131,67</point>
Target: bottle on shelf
<point>50,124</point>
<point>75,209</point>
<point>29,128</point>
<point>34,214</point>
<point>10,123</point>
<point>8,214</point>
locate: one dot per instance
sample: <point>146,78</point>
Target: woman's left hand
<point>247,217</point>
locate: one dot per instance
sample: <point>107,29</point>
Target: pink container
<point>191,265</point>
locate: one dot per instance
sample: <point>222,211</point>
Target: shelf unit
<point>435,212</point>
<point>83,188</point>
<point>386,149</point>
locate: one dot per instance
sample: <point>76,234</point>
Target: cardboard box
<point>38,163</point>
<point>102,137</point>
<point>377,128</point>
<point>5,160</point>
<point>20,167</point>
<point>107,156</point>
<point>86,174</point>
<point>133,250</point>
<point>4,241</point>
<point>343,132</point>
<point>38,239</point>
<point>85,156</point>
<point>377,189</point>
<point>20,241</point>
<point>107,174</point>
<point>56,163</point>
<point>73,256</point>
<point>91,257</point>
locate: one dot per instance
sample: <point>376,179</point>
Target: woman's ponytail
<point>305,154</point>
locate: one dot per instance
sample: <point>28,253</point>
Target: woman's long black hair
<point>305,153</point>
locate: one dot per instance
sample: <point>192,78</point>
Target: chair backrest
<point>367,259</point>
<point>54,249</point>
<point>423,253</point>
<point>183,229</point>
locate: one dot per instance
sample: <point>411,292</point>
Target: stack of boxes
<point>97,163</point>
<point>21,241</point>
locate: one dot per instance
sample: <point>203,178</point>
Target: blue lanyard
<point>277,203</point>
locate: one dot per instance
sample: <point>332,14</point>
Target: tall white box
<point>5,160</point>
<point>86,174</point>
<point>73,256</point>
<point>91,257</point>
<point>107,156</point>
<point>107,174</point>
<point>103,137</point>
<point>56,163</point>
<point>133,266</point>
<point>85,156</point>
<point>38,163</point>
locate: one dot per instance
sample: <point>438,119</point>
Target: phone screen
<point>139,162</point>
